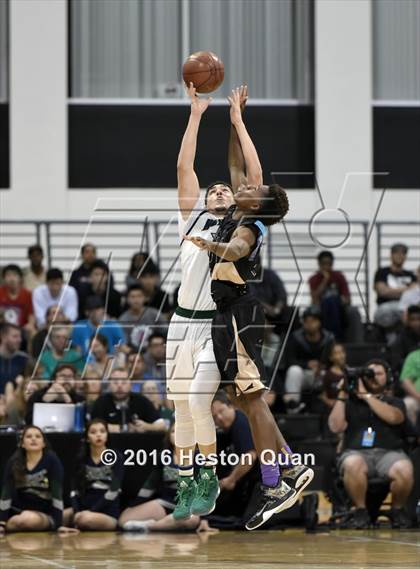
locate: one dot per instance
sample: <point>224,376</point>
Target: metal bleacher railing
<point>289,249</point>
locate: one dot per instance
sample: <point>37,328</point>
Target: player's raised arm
<point>188,186</point>
<point>236,160</point>
<point>252,162</point>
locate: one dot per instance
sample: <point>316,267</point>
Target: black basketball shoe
<point>273,500</point>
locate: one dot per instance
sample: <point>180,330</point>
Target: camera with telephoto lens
<point>352,376</point>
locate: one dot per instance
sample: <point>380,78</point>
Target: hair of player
<point>217,183</point>
<point>275,206</point>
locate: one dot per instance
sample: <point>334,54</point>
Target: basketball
<point>204,70</point>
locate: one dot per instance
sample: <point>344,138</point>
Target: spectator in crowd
<point>125,411</point>
<point>53,315</point>
<point>99,358</point>
<point>32,486</point>
<point>410,380</point>
<point>157,298</point>
<point>330,291</point>
<point>136,367</point>
<point>411,296</point>
<point>61,389</point>
<point>12,361</point>
<point>100,284</point>
<point>34,275</point>
<point>271,292</point>
<point>57,352</point>
<point>52,293</point>
<point>95,323</point>
<point>151,391</point>
<point>81,276</point>
<point>139,321</point>
<point>373,427</point>
<point>137,262</point>
<point>92,389</point>
<point>16,301</point>
<point>236,483</point>
<point>96,487</point>
<point>155,360</point>
<point>333,374</point>
<point>15,409</point>
<point>152,508</point>
<point>390,283</point>
<point>306,349</point>
<point>407,340</point>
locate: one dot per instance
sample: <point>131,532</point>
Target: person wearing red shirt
<point>330,291</point>
<point>16,301</point>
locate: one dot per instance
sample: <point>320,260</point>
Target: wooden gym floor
<point>295,549</point>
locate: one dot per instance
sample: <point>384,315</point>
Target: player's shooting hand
<point>235,106</point>
<point>198,106</point>
<point>198,241</point>
<point>243,96</point>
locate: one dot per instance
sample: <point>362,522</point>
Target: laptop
<point>54,416</point>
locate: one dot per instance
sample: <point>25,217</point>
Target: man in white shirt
<point>411,296</point>
<point>54,293</point>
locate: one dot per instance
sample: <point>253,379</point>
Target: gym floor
<point>376,549</point>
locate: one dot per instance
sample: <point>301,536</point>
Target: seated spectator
<point>156,500</point>
<point>407,340</point>
<point>271,292</point>
<point>125,411</point>
<point>54,315</point>
<point>136,367</point>
<point>330,291</point>
<point>100,285</point>
<point>96,322</point>
<point>136,264</point>
<point>16,301</point>
<point>61,389</point>
<point>157,298</point>
<point>390,283</point>
<point>333,374</point>
<point>237,483</point>
<point>155,360</point>
<point>373,427</point>
<point>140,321</point>
<point>306,349</point>
<point>81,275</point>
<point>12,361</point>
<point>32,489</point>
<point>57,352</point>
<point>410,381</point>
<point>52,293</point>
<point>15,409</point>
<point>34,275</point>
<point>410,297</point>
<point>92,389</point>
<point>151,391</point>
<point>99,358</point>
<point>96,487</point>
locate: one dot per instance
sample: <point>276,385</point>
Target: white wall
<point>38,97</point>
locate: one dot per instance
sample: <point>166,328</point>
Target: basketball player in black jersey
<point>238,327</point>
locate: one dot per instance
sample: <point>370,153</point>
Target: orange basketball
<point>204,70</point>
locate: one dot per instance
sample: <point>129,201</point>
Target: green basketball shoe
<point>206,493</point>
<point>184,496</point>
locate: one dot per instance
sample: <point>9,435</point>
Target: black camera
<point>352,376</point>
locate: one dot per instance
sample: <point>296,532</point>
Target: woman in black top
<point>96,487</point>
<point>32,495</point>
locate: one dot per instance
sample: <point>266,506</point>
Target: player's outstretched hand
<point>235,106</point>
<point>198,241</point>
<point>198,106</point>
<point>243,96</point>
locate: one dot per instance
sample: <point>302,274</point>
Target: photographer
<point>373,427</point>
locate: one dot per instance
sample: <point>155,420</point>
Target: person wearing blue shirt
<point>83,330</point>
